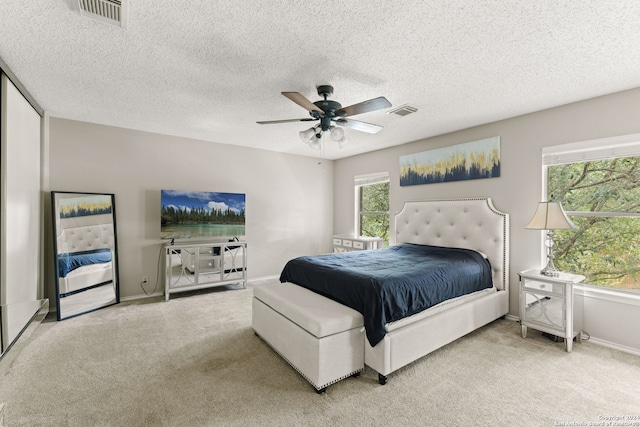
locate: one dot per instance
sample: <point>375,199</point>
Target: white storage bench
<point>322,339</point>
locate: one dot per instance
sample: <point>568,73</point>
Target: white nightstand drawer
<point>337,242</point>
<point>358,245</point>
<point>552,288</point>
<point>347,243</point>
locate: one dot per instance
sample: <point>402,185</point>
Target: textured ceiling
<point>210,69</point>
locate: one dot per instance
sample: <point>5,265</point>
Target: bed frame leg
<point>322,390</point>
<point>382,379</point>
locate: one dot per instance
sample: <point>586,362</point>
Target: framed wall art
<point>201,214</point>
<point>470,160</point>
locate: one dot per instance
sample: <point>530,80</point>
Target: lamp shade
<point>550,216</point>
<point>336,133</point>
<point>315,142</point>
<point>306,135</point>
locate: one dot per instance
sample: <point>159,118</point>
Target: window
<point>372,205</point>
<point>599,187</point>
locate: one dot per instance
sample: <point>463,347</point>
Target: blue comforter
<point>69,261</point>
<point>392,283</point>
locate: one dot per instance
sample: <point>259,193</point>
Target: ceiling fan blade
<point>364,107</point>
<point>358,125</point>
<point>270,122</point>
<point>299,99</point>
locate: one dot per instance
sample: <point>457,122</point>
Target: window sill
<point>609,294</point>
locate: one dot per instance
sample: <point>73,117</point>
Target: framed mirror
<point>86,254</point>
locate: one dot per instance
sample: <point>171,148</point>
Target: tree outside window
<point>373,206</point>
<point>602,197</point>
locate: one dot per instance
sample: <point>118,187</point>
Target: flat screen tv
<point>201,214</point>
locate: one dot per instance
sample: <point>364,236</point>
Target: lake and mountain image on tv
<point>201,214</point>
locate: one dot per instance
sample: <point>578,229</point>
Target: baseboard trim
<point>140,296</point>
<point>6,358</point>
<point>512,317</point>
<point>263,278</point>
<point>597,341</point>
<point>161,293</point>
<point>622,348</point>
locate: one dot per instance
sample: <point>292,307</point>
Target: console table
<point>191,266</point>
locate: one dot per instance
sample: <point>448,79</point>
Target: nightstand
<point>549,304</point>
<point>348,243</point>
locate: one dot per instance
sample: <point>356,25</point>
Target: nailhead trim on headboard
<point>470,223</point>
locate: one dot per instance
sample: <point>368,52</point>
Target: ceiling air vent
<point>403,110</point>
<point>108,11</point>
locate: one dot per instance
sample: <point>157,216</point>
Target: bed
<point>85,258</point>
<point>471,225</point>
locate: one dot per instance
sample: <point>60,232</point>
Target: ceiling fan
<point>328,112</point>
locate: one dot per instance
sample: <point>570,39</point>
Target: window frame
<point>361,181</point>
<point>598,149</point>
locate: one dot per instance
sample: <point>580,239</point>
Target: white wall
<point>516,191</point>
<point>289,198</point>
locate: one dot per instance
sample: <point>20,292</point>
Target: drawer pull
<point>542,286</point>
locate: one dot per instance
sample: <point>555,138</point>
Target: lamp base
<point>551,273</point>
<point>550,269</point>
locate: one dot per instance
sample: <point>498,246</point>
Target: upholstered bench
<point>322,339</point>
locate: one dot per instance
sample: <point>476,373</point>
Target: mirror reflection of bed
<point>86,252</point>
<point>82,302</point>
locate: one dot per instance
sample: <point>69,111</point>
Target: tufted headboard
<point>86,238</point>
<point>461,223</point>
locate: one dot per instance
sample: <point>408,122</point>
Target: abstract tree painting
<point>471,160</point>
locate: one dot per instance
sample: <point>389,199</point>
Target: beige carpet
<point>195,361</point>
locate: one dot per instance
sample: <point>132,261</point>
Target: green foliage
<point>604,248</point>
<point>374,210</point>
<point>170,215</point>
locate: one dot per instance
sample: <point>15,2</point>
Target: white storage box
<point>322,339</point>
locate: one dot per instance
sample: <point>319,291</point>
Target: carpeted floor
<point>195,361</point>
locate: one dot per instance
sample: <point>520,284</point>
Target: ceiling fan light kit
<point>315,142</point>
<point>329,113</point>
<point>314,135</point>
<point>306,135</point>
<point>337,135</point>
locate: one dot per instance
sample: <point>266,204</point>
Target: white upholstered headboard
<point>86,238</point>
<point>471,223</point>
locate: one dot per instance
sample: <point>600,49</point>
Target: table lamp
<point>550,216</point>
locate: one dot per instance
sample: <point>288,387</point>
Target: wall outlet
<point>145,280</point>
